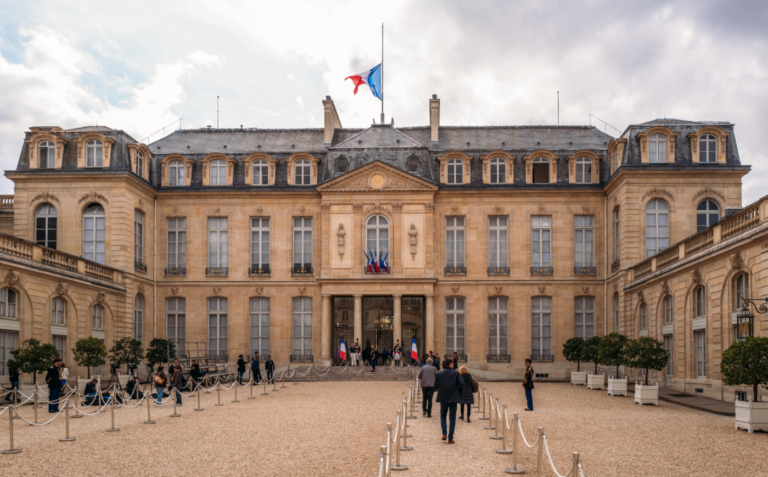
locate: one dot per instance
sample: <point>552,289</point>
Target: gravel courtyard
<point>335,428</point>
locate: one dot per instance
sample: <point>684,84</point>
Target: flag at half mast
<point>372,78</point>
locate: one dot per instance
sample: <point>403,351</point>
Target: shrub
<point>572,351</point>
<point>34,357</point>
<point>589,352</point>
<point>745,363</point>
<point>611,350</point>
<point>126,351</point>
<point>646,353</point>
<point>160,351</point>
<point>90,352</point>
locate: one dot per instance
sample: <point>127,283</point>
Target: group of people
<point>373,356</point>
<point>269,367</point>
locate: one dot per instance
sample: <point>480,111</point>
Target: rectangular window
<point>585,240</point>
<point>541,326</point>
<point>60,342</point>
<point>699,339</point>
<point>8,340</point>
<point>668,309</point>
<point>260,245</point>
<point>585,317</point>
<point>260,326</point>
<point>454,242</point>
<point>302,244</point>
<point>177,243</point>
<point>616,235</point>
<point>138,239</point>
<point>644,317</point>
<point>98,317</point>
<point>498,244</point>
<point>217,327</point>
<point>58,309</point>
<point>616,313</point>
<point>217,242</point>
<point>454,325</point>
<point>541,237</point>
<point>176,323</point>
<point>668,344</point>
<point>498,325</point>
<point>302,326</point>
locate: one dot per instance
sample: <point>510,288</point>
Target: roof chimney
<point>434,117</point>
<point>331,120</point>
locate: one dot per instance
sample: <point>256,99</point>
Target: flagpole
<point>382,73</point>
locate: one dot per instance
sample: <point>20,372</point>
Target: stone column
<point>429,325</point>
<point>397,325</point>
<point>325,333</point>
<point>359,319</point>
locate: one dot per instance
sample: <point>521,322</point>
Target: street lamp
<point>745,320</point>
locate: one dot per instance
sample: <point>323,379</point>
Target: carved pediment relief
<point>377,177</point>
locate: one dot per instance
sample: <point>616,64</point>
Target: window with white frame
<point>139,164</point>
<point>94,154</point>
<point>541,241</point>
<point>585,240</point>
<point>47,152</point>
<point>455,171</point>
<point>498,171</point>
<point>700,341</point>
<point>8,340</point>
<point>616,234</point>
<point>138,239</point>
<point>176,322</point>
<point>46,223</point>
<point>643,317</point>
<point>583,170</point>
<point>98,318</point>
<point>377,238</point>
<point>540,172</point>
<point>707,148</point>
<point>302,172</point>
<point>541,326</point>
<point>668,309</point>
<point>217,326</point>
<point>669,346</point>
<point>8,302</point>
<point>138,318</point>
<point>454,325</point>
<point>218,173</point>
<point>740,290</point>
<point>616,313</point>
<point>656,227</point>
<point>657,148</point>
<point>498,241</point>
<point>177,242</point>
<point>707,214</point>
<point>260,326</point>
<point>302,326</point>
<point>259,244</point>
<point>585,317</point>
<point>60,343</point>
<point>699,303</point>
<point>498,325</point>
<point>454,242</point>
<point>93,233</point>
<point>302,243</point>
<point>58,311</point>
<point>176,174</point>
<point>260,173</point>
<point>217,242</point>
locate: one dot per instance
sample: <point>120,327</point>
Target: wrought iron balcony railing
<point>542,358</point>
<point>176,271</point>
<point>498,358</point>
<point>259,270</point>
<point>585,270</point>
<point>301,358</point>
<point>498,270</point>
<point>139,266</point>
<point>217,271</point>
<point>542,270</point>
<point>455,270</point>
<point>302,269</point>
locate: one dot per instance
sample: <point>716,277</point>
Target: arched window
<point>260,173</point>
<point>301,172</point>
<point>668,309</point>
<point>413,166</point>
<point>498,325</point>
<point>47,152</point>
<point>498,171</point>
<point>94,154</point>
<point>656,227</point>
<point>740,290</point>
<point>583,170</point>
<point>218,173</point>
<point>93,233</point>
<point>616,309</point>
<point>541,326</point>
<point>585,317</point>
<point>342,165</point>
<point>45,226</point>
<point>139,164</point>
<point>377,238</point>
<point>540,171</point>
<point>657,145</point>
<point>98,317</point>
<point>455,171</point>
<point>58,311</point>
<point>707,214</point>
<point>138,318</point>
<point>707,148</point>
<point>176,174</point>
<point>699,302</point>
<point>643,316</point>
<point>8,302</point>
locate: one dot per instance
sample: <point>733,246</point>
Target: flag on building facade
<point>371,77</point>
<point>342,350</point>
<point>414,351</point>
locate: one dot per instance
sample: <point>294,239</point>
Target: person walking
<point>467,397</point>
<point>255,369</point>
<point>455,359</point>
<point>449,386</point>
<point>269,367</point>
<point>53,378</point>
<point>426,377</point>
<point>13,375</point>
<point>240,369</point>
<point>160,380</point>
<point>177,382</point>
<point>528,384</point>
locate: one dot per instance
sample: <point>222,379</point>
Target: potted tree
<point>89,352</point>
<point>572,353</point>
<point>34,357</point>
<point>126,351</point>
<point>745,363</point>
<point>646,353</point>
<point>611,350</point>
<point>590,353</point>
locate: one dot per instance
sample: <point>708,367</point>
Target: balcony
<point>257,270</point>
<point>498,270</point>
<point>302,269</point>
<point>615,266</point>
<point>455,270</point>
<point>171,271</point>
<point>217,271</point>
<point>498,358</point>
<point>585,270</point>
<point>139,266</point>
<point>542,270</point>
<point>301,358</point>
<point>542,358</point>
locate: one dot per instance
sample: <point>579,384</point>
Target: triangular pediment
<point>377,177</point>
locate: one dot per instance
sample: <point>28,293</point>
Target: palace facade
<point>497,242</point>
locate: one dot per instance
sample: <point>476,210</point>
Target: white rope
<point>98,411</point>
<point>523,436</point>
<point>141,400</point>
<point>4,409</point>
<point>581,471</point>
<point>41,424</point>
<point>546,446</point>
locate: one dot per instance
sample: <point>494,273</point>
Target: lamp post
<point>745,320</point>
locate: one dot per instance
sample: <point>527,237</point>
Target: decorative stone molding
<point>696,275</point>
<point>429,208</point>
<point>313,162</point>
<point>165,174</point>
<point>378,209</point>
<point>271,164</point>
<point>44,197</point>
<point>259,291</point>
<point>413,238</point>
<point>100,297</point>
<point>340,234</point>
<point>708,193</point>
<point>542,290</point>
<point>455,290</point>
<point>12,278</point>
<point>325,208</point>
<point>641,296</point>
<point>62,289</point>
<point>657,193</point>
<point>443,160</point>
<point>93,197</point>
<point>206,163</point>
<point>174,292</point>
<point>585,290</point>
<point>508,159</point>
<point>216,291</point>
<point>302,290</point>
<point>133,150</point>
<point>736,261</point>
<point>587,154</point>
<point>397,208</point>
<point>106,148</point>
<point>664,288</point>
<point>615,151</point>
<point>552,165</point>
<point>140,289</point>
<point>615,287</point>
<point>664,131</point>
<point>41,135</point>
<point>499,290</point>
<point>376,177</point>
<point>720,135</point>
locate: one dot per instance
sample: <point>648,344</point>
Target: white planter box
<point>752,416</point>
<point>617,387</point>
<point>595,381</point>
<point>579,377</point>
<point>647,394</point>
<point>123,379</point>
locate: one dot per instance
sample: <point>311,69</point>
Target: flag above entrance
<point>371,77</point>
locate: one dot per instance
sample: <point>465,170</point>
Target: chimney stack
<point>434,117</point>
<point>331,120</point>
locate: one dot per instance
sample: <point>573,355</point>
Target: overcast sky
<point>141,65</point>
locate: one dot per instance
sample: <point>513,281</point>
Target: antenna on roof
<point>558,108</point>
<point>217,111</point>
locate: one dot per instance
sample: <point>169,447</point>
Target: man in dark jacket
<point>427,374</point>
<point>91,393</point>
<point>528,384</point>
<point>13,375</point>
<point>240,369</point>
<point>194,371</point>
<point>255,369</point>
<point>177,382</point>
<point>53,378</point>
<point>269,367</point>
<point>132,388</point>
<point>449,386</point>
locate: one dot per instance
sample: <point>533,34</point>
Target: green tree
<point>126,351</point>
<point>745,363</point>
<point>90,352</point>
<point>572,351</point>
<point>610,351</point>
<point>34,357</point>
<point>646,353</point>
<point>589,352</point>
<point>161,351</point>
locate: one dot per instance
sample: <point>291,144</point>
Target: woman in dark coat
<point>467,398</point>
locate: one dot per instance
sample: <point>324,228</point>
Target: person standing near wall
<point>255,369</point>
<point>177,382</point>
<point>53,378</point>
<point>528,384</point>
<point>269,367</point>
<point>240,369</point>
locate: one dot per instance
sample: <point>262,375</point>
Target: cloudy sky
<point>141,65</point>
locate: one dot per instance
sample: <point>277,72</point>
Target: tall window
<point>217,326</point>
<point>301,172</point>
<point>302,243</point>
<point>98,317</point>
<point>454,325</point>
<point>740,290</point>
<point>93,233</point>
<point>8,303</point>
<point>707,214</point>
<point>699,304</point>
<point>218,173</point>
<point>139,164</point>
<point>177,242</point>
<point>176,322</point>
<point>585,317</point>
<point>498,171</point>
<point>668,309</point>
<point>498,242</point>
<point>60,343</point>
<point>616,314</point>
<point>58,311</point>
<point>8,341</point>
<point>643,317</point>
<point>259,244</point>
<point>454,242</point>
<point>45,226</point>
<point>617,160</point>
<point>583,170</point>
<point>302,326</point>
<point>540,171</point>
<point>260,173</point>
<point>138,318</point>
<point>455,171</point>
<point>541,240</point>
<point>616,234</point>
<point>656,227</point>
<point>176,174</point>
<point>657,145</point>
<point>342,165</point>
<point>260,326</point>
<point>699,338</point>
<point>94,154</point>
<point>217,242</point>
<point>669,345</point>
<point>707,148</point>
<point>138,239</point>
<point>498,325</point>
<point>47,153</point>
<point>377,237</point>
<point>541,326</point>
<point>585,240</point>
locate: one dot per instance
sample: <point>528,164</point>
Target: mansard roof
<point>393,180</point>
<point>378,136</point>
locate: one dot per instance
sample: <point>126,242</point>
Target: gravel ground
<point>335,428</point>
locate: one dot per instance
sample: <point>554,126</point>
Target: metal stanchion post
<point>404,434</point>
<point>383,453</point>
<point>114,393</point>
<point>504,449</point>
<point>282,379</point>
<point>540,458</point>
<point>149,415</point>
<point>218,392</point>
<point>514,469</point>
<point>198,408</point>
<point>406,426</point>
<point>412,416</point>
<point>77,412</point>
<point>490,418</point>
<point>207,381</point>
<point>575,464</point>
<point>265,393</point>
<point>112,413</point>
<point>483,399</point>
<point>251,388</point>
<point>12,450</point>
<point>397,465</point>
<point>496,421</point>
<point>66,423</point>
<point>16,400</point>
<point>35,404</point>
<point>274,383</point>
<point>236,393</point>
<point>174,395</point>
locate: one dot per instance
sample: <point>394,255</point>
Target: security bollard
<point>282,380</point>
<point>274,384</point>
<point>540,458</point>
<point>575,464</point>
<point>412,416</point>
<point>198,408</point>
<point>496,421</point>
<point>236,393</point>
<point>397,465</point>
<point>114,393</point>
<point>251,388</point>
<point>174,395</point>
<point>12,450</point>
<point>265,393</point>
<point>514,469</point>
<point>484,398</point>
<point>112,413</point>
<point>504,449</point>
<point>489,419</point>
<point>77,412</point>
<point>35,405</point>
<point>67,438</point>
<point>404,434</point>
<point>218,392</point>
<point>149,415</point>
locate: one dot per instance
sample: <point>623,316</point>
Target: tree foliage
<point>572,351</point>
<point>589,352</point>
<point>126,351</point>
<point>611,350</point>
<point>90,352</point>
<point>646,353</point>
<point>161,351</point>
<point>34,357</point>
<point>745,363</point>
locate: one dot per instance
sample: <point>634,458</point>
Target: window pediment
<point>443,160</point>
<point>248,164</point>
<point>545,155</point>
<point>663,131</point>
<point>165,174</point>
<point>34,148</point>
<point>586,154</point>
<point>719,134</point>
<point>508,158</point>
<point>106,148</point>
<point>313,162</point>
<point>616,150</point>
<point>133,151</point>
<point>206,163</point>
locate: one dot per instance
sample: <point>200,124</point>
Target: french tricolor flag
<point>414,352</point>
<point>371,77</point>
<point>342,350</point>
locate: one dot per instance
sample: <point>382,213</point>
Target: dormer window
<point>498,171</point>
<point>139,164</point>
<point>617,159</point>
<point>218,173</point>
<point>260,173</point>
<point>301,172</point>
<point>47,153</point>
<point>455,171</point>
<point>94,154</point>
<point>657,145</point>
<point>707,148</point>
<point>413,166</point>
<point>176,174</point>
<point>342,165</point>
<point>583,170</point>
<point>540,170</point>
